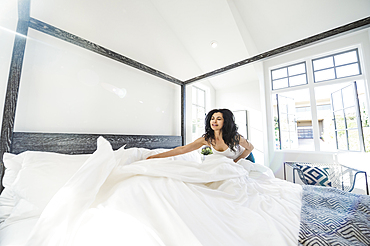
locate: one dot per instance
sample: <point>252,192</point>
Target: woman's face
<point>217,121</point>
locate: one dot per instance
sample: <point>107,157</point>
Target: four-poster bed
<point>177,200</point>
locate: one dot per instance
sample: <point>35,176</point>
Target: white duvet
<point>114,199</point>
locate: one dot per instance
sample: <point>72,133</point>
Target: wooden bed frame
<point>17,142</point>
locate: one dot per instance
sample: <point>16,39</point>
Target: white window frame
<point>311,85</point>
<point>288,76</point>
<point>335,66</point>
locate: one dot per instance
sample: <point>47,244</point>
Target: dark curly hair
<point>230,133</point>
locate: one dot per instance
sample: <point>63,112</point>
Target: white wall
<point>65,88</point>
<point>275,158</point>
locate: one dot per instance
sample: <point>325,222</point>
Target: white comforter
<point>113,199</point>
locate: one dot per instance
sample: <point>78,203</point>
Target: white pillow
<point>43,174</point>
<point>12,163</point>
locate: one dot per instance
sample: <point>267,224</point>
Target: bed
<point>117,197</point>
<point>96,189</point>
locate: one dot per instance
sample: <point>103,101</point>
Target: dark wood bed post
<point>15,72</point>
<point>183,113</point>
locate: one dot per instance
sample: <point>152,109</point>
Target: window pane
<point>366,132</point>
<point>342,140</point>
<point>353,140</point>
<point>298,80</point>
<point>279,73</point>
<point>325,117</point>
<point>297,69</point>
<point>323,63</point>
<point>365,119</point>
<point>241,122</point>
<point>348,97</point>
<point>345,58</point>
<point>294,144</point>
<point>339,120</point>
<point>281,83</point>
<point>194,95</point>
<point>285,140</point>
<point>284,123</point>
<point>275,122</point>
<point>200,116</point>
<point>291,106</point>
<point>324,75</point>
<point>194,113</point>
<point>337,100</point>
<point>328,140</point>
<point>283,109</point>
<point>351,118</point>
<point>348,70</point>
<point>200,98</point>
<point>291,121</point>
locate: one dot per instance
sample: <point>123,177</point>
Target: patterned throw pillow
<point>315,175</point>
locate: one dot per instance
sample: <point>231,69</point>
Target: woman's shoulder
<point>202,140</point>
<point>241,138</point>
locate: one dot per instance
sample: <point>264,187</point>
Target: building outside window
<point>326,110</point>
<point>198,112</point>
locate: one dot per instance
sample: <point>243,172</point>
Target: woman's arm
<point>248,148</point>
<point>181,149</point>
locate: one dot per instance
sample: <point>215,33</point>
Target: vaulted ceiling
<point>175,36</point>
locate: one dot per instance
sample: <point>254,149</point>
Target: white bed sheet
<point>113,199</point>
<point>17,233</point>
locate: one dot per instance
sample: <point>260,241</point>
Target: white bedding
<point>119,198</point>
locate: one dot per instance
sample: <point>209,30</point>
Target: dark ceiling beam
<point>68,37</point>
<point>333,33</point>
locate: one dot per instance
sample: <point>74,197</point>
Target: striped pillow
<point>315,175</point>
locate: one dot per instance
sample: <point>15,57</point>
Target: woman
<point>221,134</point>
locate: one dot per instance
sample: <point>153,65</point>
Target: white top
<point>229,153</point>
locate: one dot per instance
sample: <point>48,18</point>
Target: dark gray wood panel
<point>67,143</point>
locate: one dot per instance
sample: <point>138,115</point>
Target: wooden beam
<point>351,27</point>
<point>73,39</point>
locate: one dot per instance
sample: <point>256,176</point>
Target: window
<point>336,120</point>
<point>292,118</point>
<point>346,117</point>
<point>198,112</point>
<point>289,76</point>
<point>336,66</point>
<point>241,120</point>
